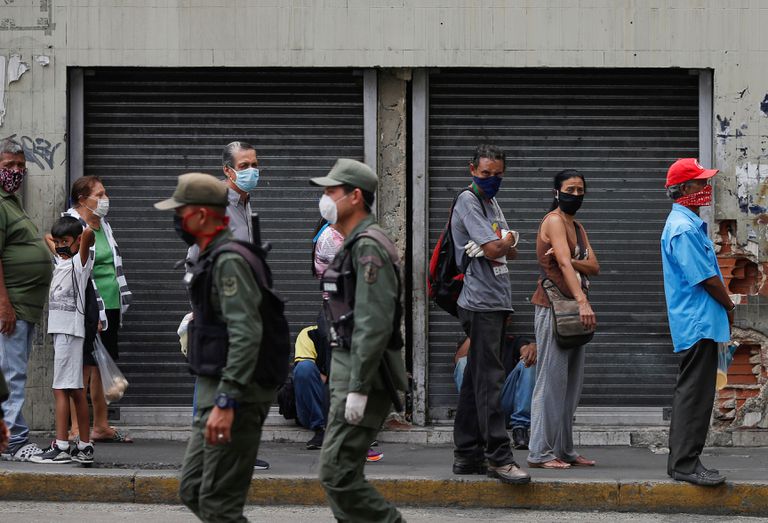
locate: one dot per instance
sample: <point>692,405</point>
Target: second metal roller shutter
<point>144,127</point>
<point>621,129</point>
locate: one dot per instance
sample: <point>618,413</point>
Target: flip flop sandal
<point>554,464</point>
<point>117,437</point>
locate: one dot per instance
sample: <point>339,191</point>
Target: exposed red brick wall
<point>746,375</point>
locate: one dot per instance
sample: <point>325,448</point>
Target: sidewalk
<point>626,479</point>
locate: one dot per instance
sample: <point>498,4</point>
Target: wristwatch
<point>223,401</point>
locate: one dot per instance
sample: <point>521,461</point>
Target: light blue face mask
<point>247,179</point>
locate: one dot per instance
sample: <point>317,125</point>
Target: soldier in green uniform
<point>232,407</point>
<point>367,368</point>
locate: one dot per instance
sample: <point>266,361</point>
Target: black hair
<point>561,177</point>
<point>67,226</point>
<point>490,152</point>
<point>368,197</point>
<point>228,155</point>
<point>322,222</point>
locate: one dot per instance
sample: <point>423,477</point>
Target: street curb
<point>743,498</point>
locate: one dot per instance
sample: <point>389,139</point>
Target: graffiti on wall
<point>38,151</point>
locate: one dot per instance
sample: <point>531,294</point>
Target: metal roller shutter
<point>144,127</point>
<point>621,129</point>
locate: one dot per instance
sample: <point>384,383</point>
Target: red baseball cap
<point>686,169</point>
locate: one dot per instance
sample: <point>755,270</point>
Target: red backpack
<point>446,277</point>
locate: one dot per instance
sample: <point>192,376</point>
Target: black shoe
<point>317,440</point>
<point>53,454</point>
<point>705,478</point>
<point>520,438</point>
<point>260,464</point>
<point>461,466</point>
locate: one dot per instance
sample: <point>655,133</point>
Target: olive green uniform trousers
<point>215,478</point>
<point>342,461</point>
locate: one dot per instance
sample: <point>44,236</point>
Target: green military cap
<point>196,189</point>
<point>350,172</point>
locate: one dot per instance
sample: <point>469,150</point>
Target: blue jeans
<point>309,390</point>
<point>14,356</point>
<point>516,394</point>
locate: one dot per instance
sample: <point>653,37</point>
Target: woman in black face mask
<point>567,259</point>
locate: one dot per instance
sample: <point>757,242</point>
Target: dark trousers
<point>692,407</point>
<point>479,427</point>
<point>215,478</point>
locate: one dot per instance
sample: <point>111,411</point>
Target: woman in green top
<point>90,204</point>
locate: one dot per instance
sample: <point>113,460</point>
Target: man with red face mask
<point>25,274</point>
<point>700,313</point>
<point>224,347</point>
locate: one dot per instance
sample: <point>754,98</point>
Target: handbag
<point>567,328</point>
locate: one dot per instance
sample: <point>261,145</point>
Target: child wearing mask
<point>66,321</point>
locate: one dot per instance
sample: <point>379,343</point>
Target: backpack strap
<point>256,264</point>
<point>383,240</point>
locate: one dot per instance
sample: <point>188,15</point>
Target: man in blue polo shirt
<point>700,315</point>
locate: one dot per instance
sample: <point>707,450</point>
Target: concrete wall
<point>40,39</point>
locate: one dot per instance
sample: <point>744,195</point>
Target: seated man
<point>310,374</point>
<point>519,359</point>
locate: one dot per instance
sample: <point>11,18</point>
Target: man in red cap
<point>700,314</point>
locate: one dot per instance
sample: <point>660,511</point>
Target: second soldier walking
<point>367,368</point>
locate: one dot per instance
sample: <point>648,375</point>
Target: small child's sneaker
<point>83,456</point>
<point>373,455</point>
<point>53,454</point>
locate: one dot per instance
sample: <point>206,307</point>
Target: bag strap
<point>256,264</point>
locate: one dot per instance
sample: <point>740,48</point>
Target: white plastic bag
<point>112,380</point>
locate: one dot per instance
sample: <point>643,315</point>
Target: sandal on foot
<point>551,464</point>
<point>581,461</point>
<point>117,437</point>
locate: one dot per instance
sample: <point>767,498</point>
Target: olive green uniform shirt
<point>376,295</point>
<point>236,298</point>
<point>27,263</point>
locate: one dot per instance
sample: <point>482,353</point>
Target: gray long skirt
<point>559,377</point>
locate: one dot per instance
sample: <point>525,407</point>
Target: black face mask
<point>178,226</point>
<point>569,203</point>
<point>64,251</point>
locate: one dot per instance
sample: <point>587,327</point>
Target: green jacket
<point>236,298</point>
<point>376,295</point>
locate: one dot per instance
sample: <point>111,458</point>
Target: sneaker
<point>509,473</point>
<point>53,454</point>
<point>520,438</point>
<point>317,440</point>
<point>84,456</point>
<point>22,452</point>
<point>463,466</point>
<point>374,455</point>
<point>260,464</point>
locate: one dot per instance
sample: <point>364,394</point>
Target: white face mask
<point>102,207</point>
<point>328,209</point>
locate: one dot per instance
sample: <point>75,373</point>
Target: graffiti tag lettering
<point>39,151</point>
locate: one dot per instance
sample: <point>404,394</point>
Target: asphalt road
<point>30,512</point>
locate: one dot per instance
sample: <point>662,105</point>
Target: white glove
<point>473,250</point>
<point>515,236</point>
<point>182,332</point>
<point>355,409</point>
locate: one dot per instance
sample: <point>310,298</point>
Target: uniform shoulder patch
<point>229,286</point>
<point>371,273</point>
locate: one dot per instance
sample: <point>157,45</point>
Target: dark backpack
<point>286,399</point>
<point>446,274</point>
<point>273,363</point>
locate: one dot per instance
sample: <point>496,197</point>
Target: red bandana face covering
<point>697,199</point>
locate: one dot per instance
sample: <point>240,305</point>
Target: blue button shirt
<point>688,256</point>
